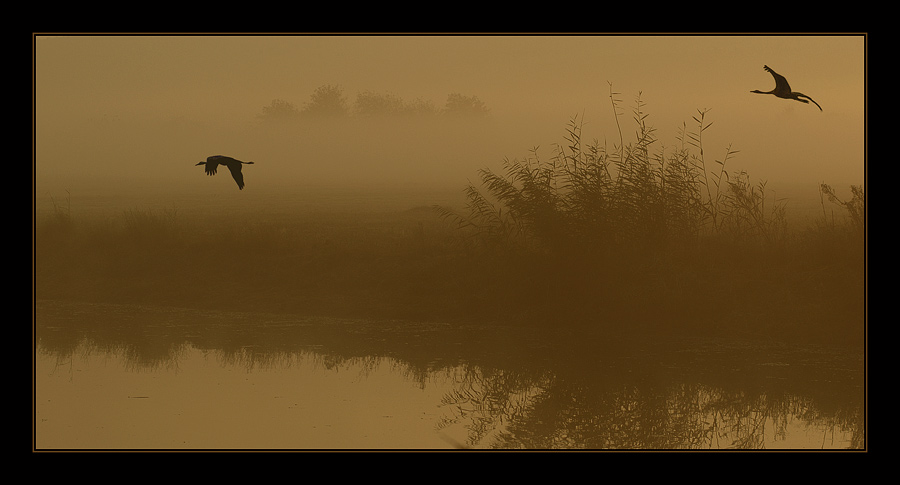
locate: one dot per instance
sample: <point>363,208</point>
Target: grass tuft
<point>633,237</point>
<point>640,237</point>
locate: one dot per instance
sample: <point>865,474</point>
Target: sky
<point>135,113</point>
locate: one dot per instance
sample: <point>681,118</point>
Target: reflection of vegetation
<point>597,239</point>
<point>600,410</point>
<point>486,400</point>
<point>686,418</point>
<point>528,389</point>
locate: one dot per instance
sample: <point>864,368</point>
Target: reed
<point>148,225</point>
<point>638,233</point>
<point>59,222</point>
<point>855,207</point>
<point>629,237</point>
<point>587,194</point>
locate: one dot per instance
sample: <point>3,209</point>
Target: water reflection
<point>552,415</point>
<point>230,380</point>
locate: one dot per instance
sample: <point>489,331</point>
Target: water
<point>203,401</point>
<point>129,377</point>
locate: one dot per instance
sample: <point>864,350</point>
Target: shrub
<point>326,101</point>
<point>590,196</point>
<point>635,234</point>
<point>279,111</point>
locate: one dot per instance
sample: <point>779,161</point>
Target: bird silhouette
<point>234,165</point>
<point>783,89</point>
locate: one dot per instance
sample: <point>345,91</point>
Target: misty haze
<point>439,242</point>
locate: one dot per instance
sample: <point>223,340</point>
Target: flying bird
<point>234,165</point>
<point>783,89</point>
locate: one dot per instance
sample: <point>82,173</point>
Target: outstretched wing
<point>212,163</point>
<point>235,167</point>
<point>781,84</point>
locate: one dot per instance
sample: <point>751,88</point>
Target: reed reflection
<point>504,412</point>
<point>515,390</point>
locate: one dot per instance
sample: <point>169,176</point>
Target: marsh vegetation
<point>636,236</point>
<point>402,271</point>
<point>635,296</point>
<point>667,239</point>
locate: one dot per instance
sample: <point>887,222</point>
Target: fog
<point>133,114</point>
<point>621,299</point>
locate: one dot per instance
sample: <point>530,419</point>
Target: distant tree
<point>372,104</point>
<point>279,111</point>
<point>460,105</point>
<point>419,107</point>
<point>326,100</point>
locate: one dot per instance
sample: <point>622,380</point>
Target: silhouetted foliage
<point>373,104</point>
<point>419,107</point>
<point>60,223</point>
<point>461,105</point>
<point>614,238</point>
<point>329,101</point>
<point>280,111</point>
<point>628,233</point>
<point>586,195</point>
<point>326,101</point>
<point>855,207</point>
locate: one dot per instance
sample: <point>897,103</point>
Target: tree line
<point>329,101</point>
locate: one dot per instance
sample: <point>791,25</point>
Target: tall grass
<point>855,208</point>
<point>587,195</point>
<point>360,265</point>
<point>641,234</point>
<point>60,221</point>
<point>630,236</point>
